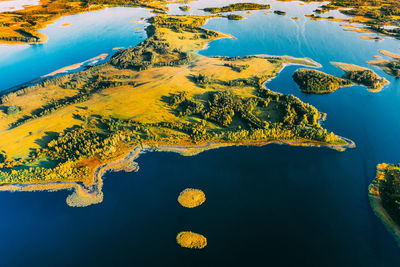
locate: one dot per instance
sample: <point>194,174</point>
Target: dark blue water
<point>269,206</point>
<point>275,206</point>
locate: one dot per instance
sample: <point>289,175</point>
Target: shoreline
<point>97,60</point>
<point>311,62</point>
<point>66,69</point>
<point>43,38</point>
<point>83,196</point>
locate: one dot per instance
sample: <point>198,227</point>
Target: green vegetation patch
<point>316,82</point>
<point>234,17</point>
<point>365,77</point>
<point>184,8</point>
<point>391,67</point>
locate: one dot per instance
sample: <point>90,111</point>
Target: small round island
<point>191,240</point>
<point>191,198</point>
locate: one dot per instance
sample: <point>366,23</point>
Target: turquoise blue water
<point>269,206</point>
<point>87,36</point>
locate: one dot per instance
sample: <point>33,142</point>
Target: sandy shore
<point>389,54</point>
<point>311,62</point>
<point>93,60</point>
<point>43,39</point>
<point>83,196</point>
<point>372,38</point>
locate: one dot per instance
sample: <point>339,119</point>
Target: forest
<point>394,66</point>
<point>316,82</point>
<point>366,77</point>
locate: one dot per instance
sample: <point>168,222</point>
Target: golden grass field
<point>143,102</point>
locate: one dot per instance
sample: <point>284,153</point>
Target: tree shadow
<point>48,137</point>
<point>167,98</point>
<point>3,109</point>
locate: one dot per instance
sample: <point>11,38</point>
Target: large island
<point>65,132</point>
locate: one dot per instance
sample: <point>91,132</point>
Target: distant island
<point>374,14</point>
<point>21,26</point>
<point>184,8</point>
<point>316,82</point>
<point>384,194</point>
<point>279,12</point>
<point>65,132</point>
<point>236,7</point>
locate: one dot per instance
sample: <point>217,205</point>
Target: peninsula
<point>65,132</point>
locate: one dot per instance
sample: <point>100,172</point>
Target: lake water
<point>88,36</point>
<point>269,206</point>
<point>14,5</point>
